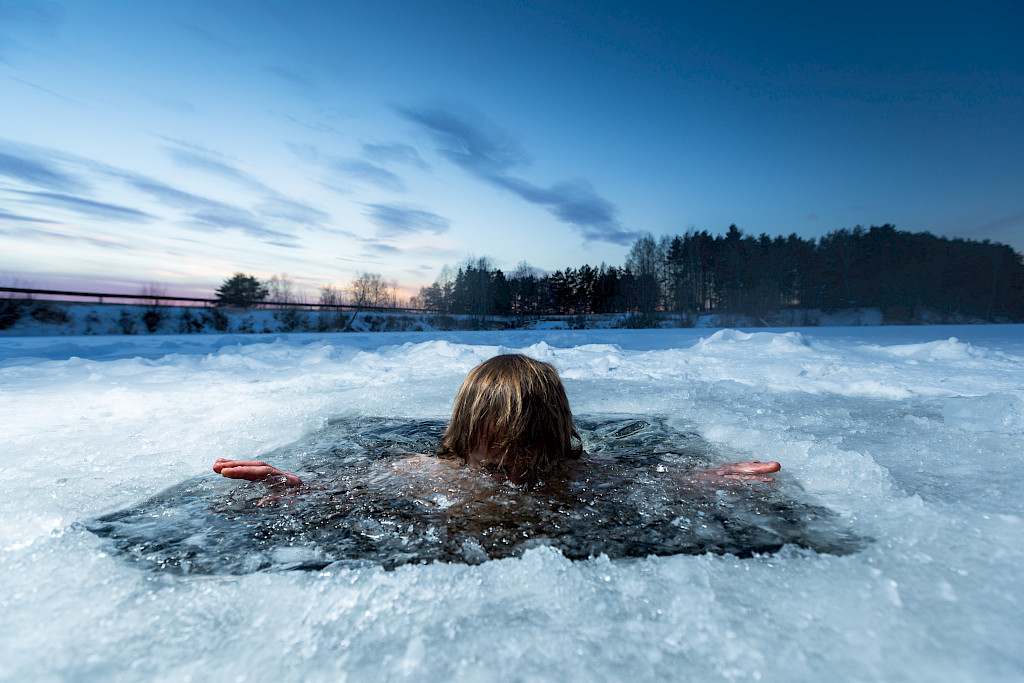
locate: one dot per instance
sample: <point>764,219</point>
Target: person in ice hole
<point>511,419</point>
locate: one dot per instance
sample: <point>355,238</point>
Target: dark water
<point>636,494</point>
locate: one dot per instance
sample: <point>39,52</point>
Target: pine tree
<point>242,291</point>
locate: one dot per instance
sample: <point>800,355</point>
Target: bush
<point>11,311</point>
<point>51,314</point>
<point>126,323</point>
<point>217,319</point>
<point>686,320</point>
<point>331,322</point>
<point>639,321</point>
<point>290,319</point>
<point>444,322</point>
<point>152,318</point>
<point>188,323</point>
<point>91,322</point>
<point>398,323</point>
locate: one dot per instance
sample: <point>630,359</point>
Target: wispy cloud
<point>57,188</point>
<point>36,86</point>
<point>395,153</point>
<point>393,220</point>
<point>6,216</point>
<point>1013,221</point>
<point>382,248</point>
<point>477,146</point>
<point>370,173</point>
<point>51,234</point>
<point>25,17</point>
<point>304,152</point>
<point>87,207</point>
<point>273,205</point>
<point>170,196</point>
<point>207,36</point>
<point>228,217</point>
<point>372,167</point>
<point>577,203</point>
<point>38,172</point>
<point>301,83</point>
<point>316,126</point>
<point>211,162</point>
<point>472,143</point>
<point>292,211</point>
<point>178,105</point>
<point>210,213</point>
<point>1007,229</point>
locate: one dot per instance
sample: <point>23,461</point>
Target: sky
<point>171,144</point>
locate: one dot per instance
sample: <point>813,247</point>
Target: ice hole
<point>635,494</point>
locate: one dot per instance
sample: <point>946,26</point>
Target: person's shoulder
<point>426,463</point>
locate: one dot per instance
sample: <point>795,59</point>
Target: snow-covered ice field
<point>913,435</point>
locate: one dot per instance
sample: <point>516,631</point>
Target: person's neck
<point>481,459</point>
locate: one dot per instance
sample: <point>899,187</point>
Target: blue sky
<point>178,142</point>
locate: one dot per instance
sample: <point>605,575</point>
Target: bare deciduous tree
<point>331,296</point>
<point>153,291</point>
<point>371,290</point>
<point>281,289</point>
<point>644,263</point>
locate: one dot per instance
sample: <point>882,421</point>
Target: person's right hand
<point>254,470</point>
<point>748,469</point>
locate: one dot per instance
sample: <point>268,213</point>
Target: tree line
<point>901,273</point>
<point>365,291</point>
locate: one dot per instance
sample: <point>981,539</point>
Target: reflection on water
<point>636,494</point>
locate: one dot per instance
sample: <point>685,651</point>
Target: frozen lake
<point>912,436</point>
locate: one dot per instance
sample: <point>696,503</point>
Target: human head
<point>514,409</point>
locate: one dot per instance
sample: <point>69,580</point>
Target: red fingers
<point>250,472</point>
<point>254,470</point>
<point>750,467</point>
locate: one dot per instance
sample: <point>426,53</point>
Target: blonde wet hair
<point>513,408</point>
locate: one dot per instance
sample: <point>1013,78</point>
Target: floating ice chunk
<point>951,349</point>
<point>293,555</point>
<point>766,341</point>
<point>599,348</point>
<point>1002,413</point>
<point>540,351</point>
<point>605,364</point>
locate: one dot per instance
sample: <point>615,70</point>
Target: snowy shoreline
<point>32,318</point>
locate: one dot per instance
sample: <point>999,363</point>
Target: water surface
<point>641,490</point>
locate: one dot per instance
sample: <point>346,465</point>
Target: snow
<point>992,413</point>
<point>913,435</point>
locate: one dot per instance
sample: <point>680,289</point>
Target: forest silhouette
<point>905,275</point>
